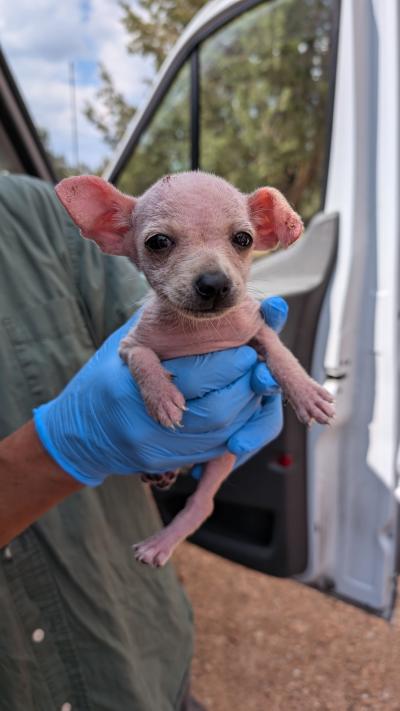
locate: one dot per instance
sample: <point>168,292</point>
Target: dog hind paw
<point>154,551</point>
<point>160,481</point>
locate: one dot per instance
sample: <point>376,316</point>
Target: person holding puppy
<point>83,625</point>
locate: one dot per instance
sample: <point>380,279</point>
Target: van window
<point>264,98</point>
<point>164,147</point>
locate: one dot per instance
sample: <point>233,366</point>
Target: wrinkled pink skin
<point>201,213</point>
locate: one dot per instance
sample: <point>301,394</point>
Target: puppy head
<point>192,234</point>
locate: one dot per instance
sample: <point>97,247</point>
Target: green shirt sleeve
<point>84,625</point>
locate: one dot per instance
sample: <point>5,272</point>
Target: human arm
<point>30,482</point>
<point>99,426</point>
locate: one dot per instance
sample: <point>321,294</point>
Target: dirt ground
<point>265,644</point>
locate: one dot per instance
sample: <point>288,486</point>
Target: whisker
<point>254,289</point>
<point>215,326</point>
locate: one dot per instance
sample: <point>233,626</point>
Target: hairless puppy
<point>193,235</point>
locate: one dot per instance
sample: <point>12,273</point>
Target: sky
<point>41,38</point>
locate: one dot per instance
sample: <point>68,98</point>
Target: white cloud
<point>43,29</point>
<point>40,40</point>
<point>127,70</point>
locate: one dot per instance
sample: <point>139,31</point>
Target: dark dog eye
<point>157,243</point>
<point>242,239</point>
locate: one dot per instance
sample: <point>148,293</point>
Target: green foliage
<point>111,113</point>
<point>165,147</point>
<point>264,95</point>
<point>62,168</point>
<point>154,26</point>
<point>264,100</point>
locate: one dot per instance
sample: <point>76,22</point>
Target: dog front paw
<point>312,403</point>
<point>165,403</point>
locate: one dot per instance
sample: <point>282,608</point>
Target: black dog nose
<point>212,285</point>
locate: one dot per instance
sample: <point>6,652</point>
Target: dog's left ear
<point>275,222</point>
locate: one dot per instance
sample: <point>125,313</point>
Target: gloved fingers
<point>196,376</point>
<point>179,461</point>
<point>219,409</point>
<point>263,427</point>
<point>207,425</point>
<point>181,448</point>
<point>274,311</point>
<point>197,471</point>
<point>262,381</point>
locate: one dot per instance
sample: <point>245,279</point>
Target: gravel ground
<point>265,644</point>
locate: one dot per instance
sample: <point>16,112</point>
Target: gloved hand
<point>99,426</point>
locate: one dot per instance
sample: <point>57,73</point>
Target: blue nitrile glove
<point>266,423</point>
<point>99,426</point>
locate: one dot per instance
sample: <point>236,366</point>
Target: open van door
<point>296,94</point>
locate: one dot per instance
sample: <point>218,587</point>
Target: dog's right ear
<point>102,212</point>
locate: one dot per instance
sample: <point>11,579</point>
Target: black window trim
<point>195,108</point>
<point>190,51</point>
<point>20,128</point>
<point>209,28</point>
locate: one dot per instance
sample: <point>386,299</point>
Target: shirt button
<point>38,635</point>
<point>66,707</point>
<point>7,555</point>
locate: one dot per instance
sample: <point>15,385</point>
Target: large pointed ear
<point>275,222</point>
<point>102,212</point>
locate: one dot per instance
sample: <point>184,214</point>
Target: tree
<point>153,26</point>
<point>112,118</point>
<point>263,102</point>
<point>264,98</point>
<point>265,86</point>
<point>62,168</point>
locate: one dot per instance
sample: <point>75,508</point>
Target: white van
<point>303,95</point>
